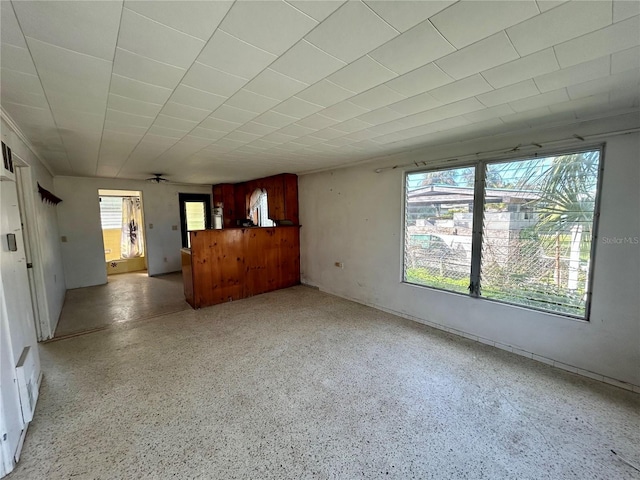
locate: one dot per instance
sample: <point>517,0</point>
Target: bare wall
<point>79,222</point>
<point>354,216</point>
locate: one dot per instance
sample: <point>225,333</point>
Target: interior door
<point>195,214</point>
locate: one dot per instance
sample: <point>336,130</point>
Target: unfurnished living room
<point>320,239</point>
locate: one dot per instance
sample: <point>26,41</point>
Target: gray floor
<point>125,297</point>
<point>300,384</point>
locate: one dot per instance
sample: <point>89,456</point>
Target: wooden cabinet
<point>282,198</point>
<point>235,263</point>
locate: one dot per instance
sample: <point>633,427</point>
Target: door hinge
<point>29,265</point>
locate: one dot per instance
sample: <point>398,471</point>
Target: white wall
<point>79,221</point>
<point>50,272</point>
<point>354,216</point>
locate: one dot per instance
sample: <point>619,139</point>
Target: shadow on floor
<point>125,298</point>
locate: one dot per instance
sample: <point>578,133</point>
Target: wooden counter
<point>235,263</point>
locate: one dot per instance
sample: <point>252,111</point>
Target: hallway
<point>125,298</point>
<point>297,383</point>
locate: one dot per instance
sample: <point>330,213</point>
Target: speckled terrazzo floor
<point>300,384</point>
<point>125,297</point>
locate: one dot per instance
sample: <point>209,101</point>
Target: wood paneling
<point>282,197</point>
<point>236,263</point>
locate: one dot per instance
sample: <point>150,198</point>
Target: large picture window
<point>517,231</point>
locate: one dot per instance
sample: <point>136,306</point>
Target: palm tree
<point>566,205</point>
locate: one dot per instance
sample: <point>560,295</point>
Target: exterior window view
<point>537,229</point>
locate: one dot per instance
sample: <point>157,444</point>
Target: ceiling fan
<point>157,178</point>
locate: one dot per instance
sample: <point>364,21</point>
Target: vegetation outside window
<point>533,246</point>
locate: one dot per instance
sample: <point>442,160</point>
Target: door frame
<point>31,234</point>
<point>193,197</point>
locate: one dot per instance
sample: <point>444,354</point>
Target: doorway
<point>123,236</point>
<point>195,214</point>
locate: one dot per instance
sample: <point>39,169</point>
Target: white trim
<point>13,126</point>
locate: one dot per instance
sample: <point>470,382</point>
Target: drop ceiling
<point>208,92</point>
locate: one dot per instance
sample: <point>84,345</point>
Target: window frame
<point>480,169</point>
<point>193,197</point>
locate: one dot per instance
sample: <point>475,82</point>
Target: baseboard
<point>510,348</point>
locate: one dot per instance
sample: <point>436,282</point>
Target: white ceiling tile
<point>441,113</point>
<point>325,93</point>
<point>66,71</point>
<point>256,128</point>
<point>403,14</point>
<point>243,137</point>
<point>377,97</point>
<point>123,128</point>
<point>274,119</point>
<point>307,63</point>
<point>343,111</point>
<point>361,75</point>
<point>174,123</point>
<point>414,48</point>
<point>146,70</point>
<point>489,113</point>
<point>125,118</point>
<point>614,38</point>
<point>524,68</point>
<point>317,121</point>
<point>230,143</point>
<point>196,18</point>
<point>194,140</point>
<point>211,80</point>
<point>580,73</point>
<point>420,80</point>
<point>386,128</point>
<point>306,141</point>
<point>29,116</point>
<point>251,101</point>
<point>545,5</point>
<point>461,89</point>
<point>538,101</point>
<point>256,22</point>
<point>415,104</point>
<point>352,31</point>
<point>621,82</point>
<point>218,124</point>
<point>127,87</point>
<point>207,134</point>
<point>625,60</point>
<point>318,9</point>
<point>86,27</point>
<point>327,133</point>
<point>229,54</point>
<point>296,130</point>
<point>194,97</point>
<point>381,115</point>
<point>467,22</point>
<point>151,39</point>
<point>178,110</point>
<point>16,58</point>
<point>23,98</point>
<point>20,82</point>
<point>10,33</point>
<point>79,121</point>
<point>560,24</point>
<point>296,107</point>
<point>275,85</point>
<point>233,114</point>
<point>623,9</point>
<point>509,93</point>
<point>353,126</point>
<point>490,52</point>
<point>166,132</point>
<point>129,105</point>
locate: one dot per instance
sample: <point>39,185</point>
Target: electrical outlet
<point>165,259</point>
<point>63,239</point>
<point>151,226</point>
<point>174,227</point>
<point>339,264</point>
